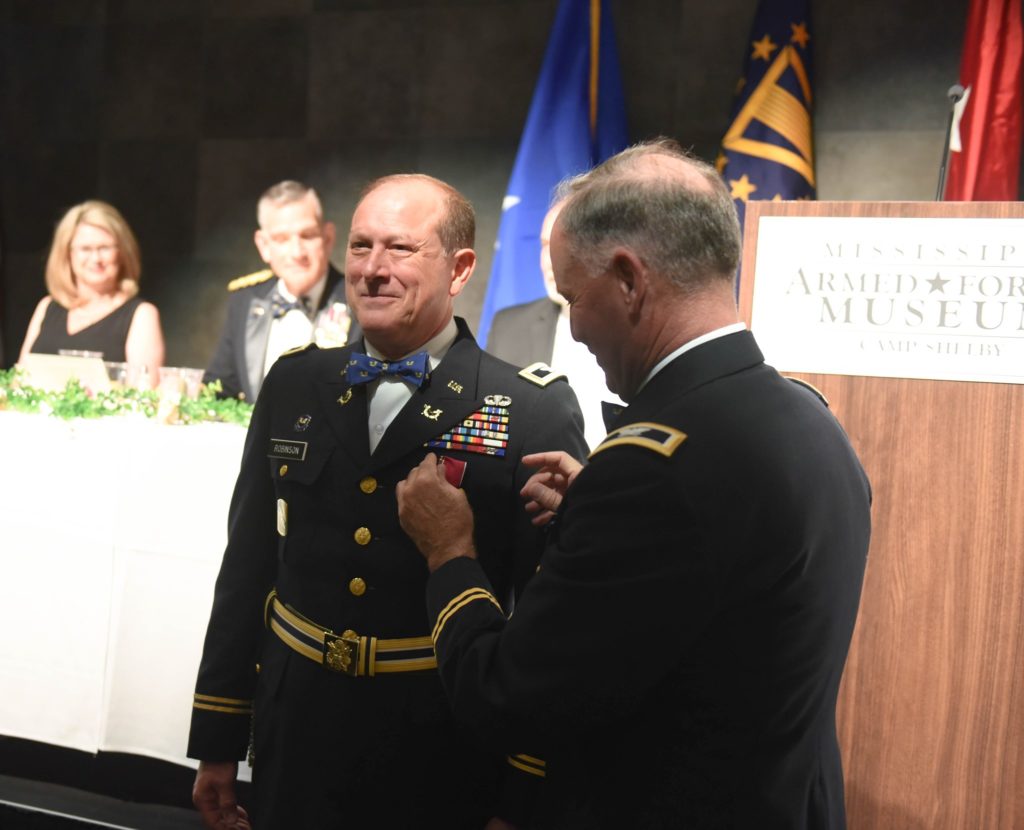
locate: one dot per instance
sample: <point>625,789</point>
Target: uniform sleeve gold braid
<point>458,602</point>
<point>229,705</point>
<point>529,764</point>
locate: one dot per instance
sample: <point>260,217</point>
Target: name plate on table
<point>939,298</point>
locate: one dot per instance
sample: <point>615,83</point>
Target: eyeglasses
<point>101,251</point>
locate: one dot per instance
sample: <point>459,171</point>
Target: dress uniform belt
<point>348,653</point>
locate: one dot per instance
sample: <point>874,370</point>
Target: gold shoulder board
<point>254,278</point>
<point>661,439</point>
<point>818,393</point>
<point>541,374</point>
<point>299,350</point>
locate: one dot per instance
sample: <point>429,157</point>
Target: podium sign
<point>907,316</point>
<point>938,298</point>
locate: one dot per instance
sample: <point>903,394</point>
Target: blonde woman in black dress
<point>92,276</point>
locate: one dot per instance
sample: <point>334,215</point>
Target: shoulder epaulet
<point>254,278</point>
<point>657,437</point>
<point>811,387</point>
<point>299,350</point>
<point>541,374</point>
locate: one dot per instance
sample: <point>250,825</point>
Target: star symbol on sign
<point>938,284</point>
<point>800,35</point>
<point>741,188</point>
<point>763,48</point>
<point>721,161</point>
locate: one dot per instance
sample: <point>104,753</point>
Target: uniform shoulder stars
<point>254,278</point>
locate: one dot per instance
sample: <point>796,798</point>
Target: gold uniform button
<point>363,536</point>
<point>349,634</point>
<point>283,470</point>
<point>357,586</point>
<point>368,485</point>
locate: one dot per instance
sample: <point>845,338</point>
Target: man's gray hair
<point>690,235</point>
<point>284,193</point>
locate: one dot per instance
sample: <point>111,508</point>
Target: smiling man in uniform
<point>320,586</point>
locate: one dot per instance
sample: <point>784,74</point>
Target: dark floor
<point>44,787</point>
<point>34,805</point>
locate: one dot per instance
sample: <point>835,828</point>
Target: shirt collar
<point>437,346</point>
<point>314,294</point>
<point>714,334</point>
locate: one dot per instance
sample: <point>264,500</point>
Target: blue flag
<point>768,150</point>
<point>577,119</point>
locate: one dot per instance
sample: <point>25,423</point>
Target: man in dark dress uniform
<point>320,586</point>
<point>299,298</point>
<point>681,647</point>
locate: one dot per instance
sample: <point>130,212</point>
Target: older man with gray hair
<point>680,650</point>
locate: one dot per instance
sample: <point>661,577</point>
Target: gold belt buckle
<point>341,652</point>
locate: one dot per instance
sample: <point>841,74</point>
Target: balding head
<point>408,258</point>
<point>456,226</point>
<point>671,208</point>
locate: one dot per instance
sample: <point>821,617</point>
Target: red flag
<point>985,144</point>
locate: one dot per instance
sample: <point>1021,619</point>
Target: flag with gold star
<point>768,150</point>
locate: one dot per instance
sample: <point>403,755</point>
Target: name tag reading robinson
<point>283,448</point>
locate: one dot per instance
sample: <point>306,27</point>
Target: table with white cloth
<point>113,531</point>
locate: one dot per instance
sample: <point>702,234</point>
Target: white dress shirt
<point>388,394</point>
<point>585,377</point>
<point>294,328</point>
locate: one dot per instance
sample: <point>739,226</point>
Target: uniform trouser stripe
<point>459,602</point>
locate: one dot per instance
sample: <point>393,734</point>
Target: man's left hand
<point>436,515</point>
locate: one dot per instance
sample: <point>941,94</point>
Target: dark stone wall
<point>181,112</point>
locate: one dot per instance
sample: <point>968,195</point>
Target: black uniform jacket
<point>680,649</point>
<point>314,515</point>
<point>525,334</point>
<point>242,348</point>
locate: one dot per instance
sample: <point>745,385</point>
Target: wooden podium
<point>931,710</point>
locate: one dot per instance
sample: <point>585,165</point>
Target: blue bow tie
<point>363,368</point>
<point>279,306</point>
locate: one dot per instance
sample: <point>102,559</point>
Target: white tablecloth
<point>113,532</point>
